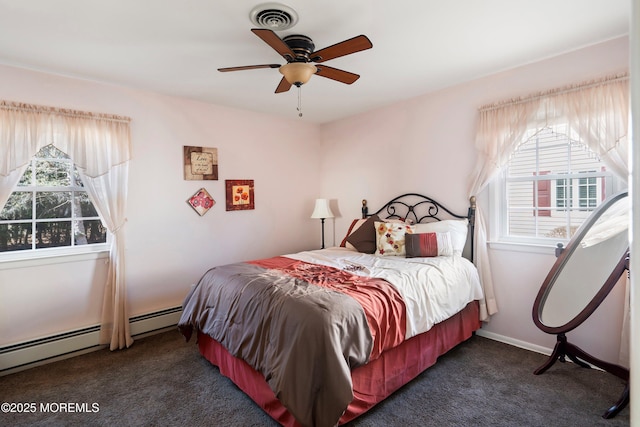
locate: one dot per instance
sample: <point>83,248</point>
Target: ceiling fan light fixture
<point>298,73</point>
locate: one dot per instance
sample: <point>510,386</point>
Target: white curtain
<point>597,110</point>
<point>100,147</point>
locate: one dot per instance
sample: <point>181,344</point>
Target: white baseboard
<point>514,342</point>
<point>524,345</point>
<point>25,355</point>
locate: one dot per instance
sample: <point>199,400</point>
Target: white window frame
<point>575,189</point>
<point>49,255</point>
<point>498,226</point>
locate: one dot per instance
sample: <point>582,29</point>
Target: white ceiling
<point>175,46</point>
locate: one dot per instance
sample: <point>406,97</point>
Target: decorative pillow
<point>390,238</point>
<point>457,228</point>
<point>355,224</point>
<point>428,244</point>
<point>364,238</point>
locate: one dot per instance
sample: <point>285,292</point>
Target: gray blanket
<point>305,339</point>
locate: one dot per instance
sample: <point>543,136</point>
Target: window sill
<point>501,245</point>
<point>31,259</point>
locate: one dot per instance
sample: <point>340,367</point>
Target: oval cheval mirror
<point>584,273</point>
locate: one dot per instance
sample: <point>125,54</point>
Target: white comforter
<point>433,289</point>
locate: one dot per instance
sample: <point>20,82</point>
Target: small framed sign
<point>200,163</point>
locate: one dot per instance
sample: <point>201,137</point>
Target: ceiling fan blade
<point>248,67</point>
<point>283,86</point>
<point>272,39</point>
<point>346,47</point>
<point>336,74</point>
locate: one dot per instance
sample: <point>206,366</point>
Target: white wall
<point>168,246</point>
<point>634,320</point>
<point>426,145</point>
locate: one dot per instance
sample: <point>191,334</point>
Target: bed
<point>319,337</point>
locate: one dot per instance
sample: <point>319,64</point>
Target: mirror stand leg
<point>564,349</point>
<point>572,352</point>
<point>619,405</point>
<point>559,352</point>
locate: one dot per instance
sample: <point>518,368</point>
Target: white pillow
<point>456,227</point>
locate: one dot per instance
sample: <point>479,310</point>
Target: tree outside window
<point>49,207</point>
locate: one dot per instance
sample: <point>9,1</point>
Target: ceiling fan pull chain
<point>300,101</point>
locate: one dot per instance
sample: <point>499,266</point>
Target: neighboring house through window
<point>543,159</point>
<point>550,185</point>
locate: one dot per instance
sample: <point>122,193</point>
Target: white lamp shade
<point>322,209</point>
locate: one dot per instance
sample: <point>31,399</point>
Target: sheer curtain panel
<point>598,110</point>
<point>100,147</point>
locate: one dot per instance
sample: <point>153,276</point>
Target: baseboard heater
<point>17,357</point>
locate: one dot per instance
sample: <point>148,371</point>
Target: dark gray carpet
<point>163,381</point>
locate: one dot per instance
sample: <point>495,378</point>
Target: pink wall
<point>426,145</point>
<point>168,245</point>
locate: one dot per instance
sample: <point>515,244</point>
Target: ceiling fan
<point>298,51</point>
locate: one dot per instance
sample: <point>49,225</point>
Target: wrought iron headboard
<point>416,208</point>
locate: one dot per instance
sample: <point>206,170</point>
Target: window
<point>551,184</point>
<point>587,192</point>
<point>49,208</point>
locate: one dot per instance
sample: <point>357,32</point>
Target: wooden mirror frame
<point>563,347</point>
<point>563,258</point>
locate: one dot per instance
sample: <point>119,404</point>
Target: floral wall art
<point>201,201</point>
<point>239,194</point>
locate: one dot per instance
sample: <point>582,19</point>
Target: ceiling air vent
<point>273,16</point>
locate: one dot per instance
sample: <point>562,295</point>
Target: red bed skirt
<point>372,382</point>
